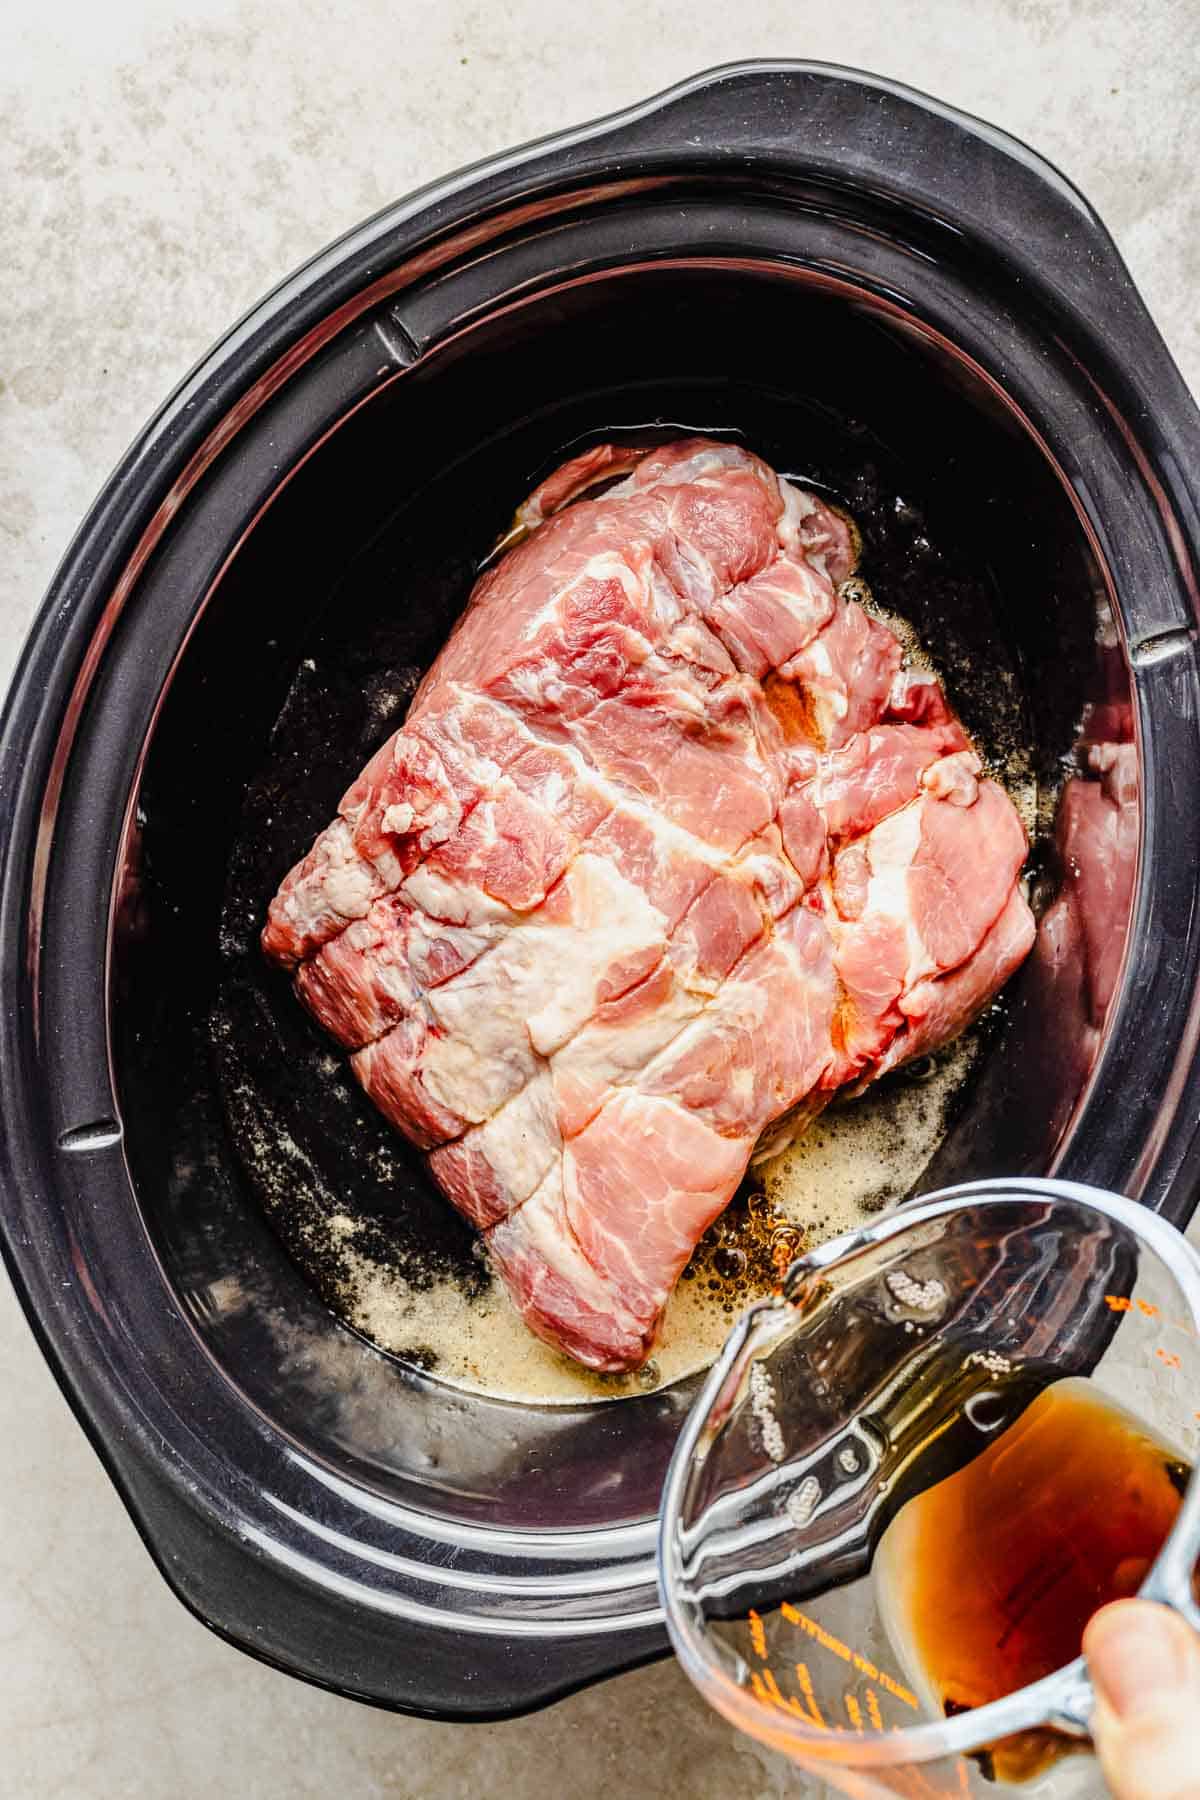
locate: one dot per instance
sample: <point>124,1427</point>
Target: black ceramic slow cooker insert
<point>878,294</point>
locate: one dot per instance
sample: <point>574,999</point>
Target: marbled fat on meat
<point>668,850</point>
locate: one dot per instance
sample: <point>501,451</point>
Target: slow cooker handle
<point>837,128</point>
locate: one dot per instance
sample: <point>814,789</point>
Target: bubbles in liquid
<point>856,1159</point>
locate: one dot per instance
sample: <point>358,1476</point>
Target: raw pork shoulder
<point>669,849</point>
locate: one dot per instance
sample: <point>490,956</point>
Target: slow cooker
<point>882,295</point>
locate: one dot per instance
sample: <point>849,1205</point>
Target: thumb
<point>1145,1664</point>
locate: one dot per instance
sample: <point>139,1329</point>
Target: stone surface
<point>160,166</point>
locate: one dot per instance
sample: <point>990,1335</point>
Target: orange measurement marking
<point>766,1688</point>
<point>1119,1304</point>
<point>823,1637</point>
<point>901,1693</point>
<point>806,1688</point>
<point>788,1703</point>
<point>827,1641</point>
<point>758,1636</point>
<point>873,1712</point>
<point>855,1711</point>
<point>1169,1357</point>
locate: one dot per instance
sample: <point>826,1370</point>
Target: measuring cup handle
<point>1172,1584</point>
<point>1190,1611</point>
<point>1072,1702</point>
<point>1073,1698</point>
<point>1183,1602</point>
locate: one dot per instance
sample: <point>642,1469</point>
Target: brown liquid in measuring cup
<point>996,1571</point>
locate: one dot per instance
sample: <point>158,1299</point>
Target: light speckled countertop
<point>161,165</point>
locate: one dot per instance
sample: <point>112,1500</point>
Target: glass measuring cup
<point>895,1356</point>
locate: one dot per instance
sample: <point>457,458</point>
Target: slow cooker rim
<point>52,627</point>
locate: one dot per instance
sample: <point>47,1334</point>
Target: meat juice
<point>988,1579</point>
<point>855,1159</point>
<point>852,1162</point>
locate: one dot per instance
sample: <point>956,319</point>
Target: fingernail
<point>1138,1655</point>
